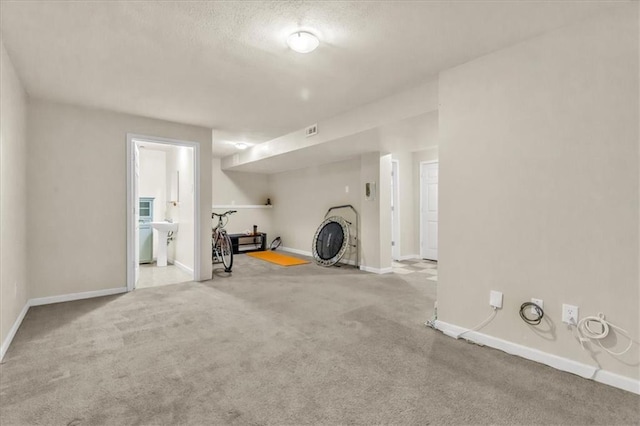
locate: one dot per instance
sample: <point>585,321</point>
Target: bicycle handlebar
<point>228,212</point>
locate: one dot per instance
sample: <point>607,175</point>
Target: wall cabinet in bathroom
<point>146,231</point>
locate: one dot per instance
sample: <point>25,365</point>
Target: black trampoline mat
<point>330,240</point>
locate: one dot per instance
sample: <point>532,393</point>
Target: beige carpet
<point>272,345</point>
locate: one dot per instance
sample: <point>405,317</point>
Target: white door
<point>136,214</point>
<point>395,212</point>
<point>429,211</point>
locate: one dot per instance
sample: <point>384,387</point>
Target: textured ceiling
<point>225,65</point>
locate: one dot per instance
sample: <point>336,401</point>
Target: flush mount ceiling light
<point>241,145</point>
<point>303,42</point>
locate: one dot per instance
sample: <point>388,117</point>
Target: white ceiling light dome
<point>303,42</point>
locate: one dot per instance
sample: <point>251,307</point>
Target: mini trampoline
<point>332,239</point>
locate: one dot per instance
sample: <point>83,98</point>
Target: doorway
<point>163,225</point>
<point>429,210</point>
<point>395,210</point>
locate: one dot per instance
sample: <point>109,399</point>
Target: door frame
<point>422,224</point>
<point>395,212</point>
<point>132,138</point>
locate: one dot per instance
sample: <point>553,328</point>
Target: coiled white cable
<point>586,332</point>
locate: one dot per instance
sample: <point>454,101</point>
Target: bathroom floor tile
<point>152,275</point>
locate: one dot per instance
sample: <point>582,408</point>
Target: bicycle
<point>221,248</point>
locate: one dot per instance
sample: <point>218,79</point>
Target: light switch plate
<point>495,299</point>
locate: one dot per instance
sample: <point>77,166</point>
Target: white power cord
<point>587,333</point>
<point>482,324</point>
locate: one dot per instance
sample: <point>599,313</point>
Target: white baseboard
<point>296,251</point>
<point>410,257</point>
<point>555,361</point>
<point>348,262</point>
<point>183,267</point>
<point>76,296</point>
<point>376,270</point>
<point>13,331</point>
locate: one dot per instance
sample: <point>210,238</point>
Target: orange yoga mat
<point>277,258</point>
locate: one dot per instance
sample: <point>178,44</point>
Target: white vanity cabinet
<point>146,231</point>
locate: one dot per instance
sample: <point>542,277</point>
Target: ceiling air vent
<point>311,130</point>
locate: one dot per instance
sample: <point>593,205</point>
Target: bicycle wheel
<point>226,252</point>
<point>215,258</point>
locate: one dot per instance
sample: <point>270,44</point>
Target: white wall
<point>153,183</point>
<point>404,208</point>
<point>183,213</point>
<point>409,201</point>
<point>408,140</point>
<point>242,189</point>
<point>243,220</point>
<point>539,186</point>
<point>409,198</point>
<point>239,188</point>
<point>302,197</point>
<point>13,198</point>
<point>375,213</point>
<point>77,186</point>
<point>172,194</point>
<point>384,197</point>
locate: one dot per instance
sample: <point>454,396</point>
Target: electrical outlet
<point>538,302</point>
<point>570,314</point>
<point>495,299</point>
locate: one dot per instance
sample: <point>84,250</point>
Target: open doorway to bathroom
<point>162,214</point>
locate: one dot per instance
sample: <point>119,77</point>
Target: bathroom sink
<point>163,229</point>
<point>165,226</point>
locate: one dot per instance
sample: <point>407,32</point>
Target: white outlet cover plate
<point>570,314</point>
<point>538,302</point>
<point>495,299</point>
